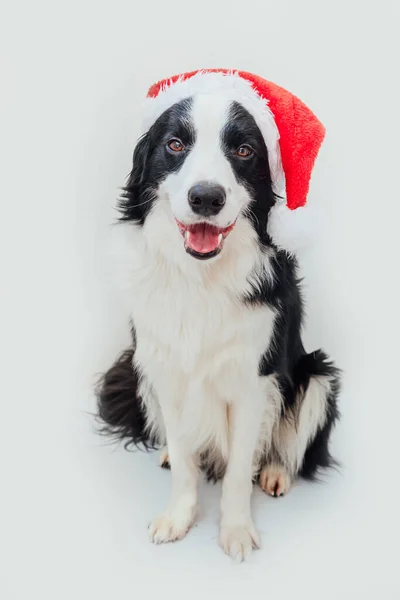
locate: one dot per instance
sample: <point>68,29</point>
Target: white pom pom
<point>292,230</point>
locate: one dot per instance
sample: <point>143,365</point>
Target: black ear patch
<point>152,162</point>
<point>136,199</point>
<point>242,129</point>
<point>140,157</point>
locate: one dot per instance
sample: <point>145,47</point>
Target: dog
<point>217,375</point>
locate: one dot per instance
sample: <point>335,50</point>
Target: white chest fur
<point>198,343</point>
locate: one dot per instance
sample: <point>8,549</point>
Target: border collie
<point>216,375</point>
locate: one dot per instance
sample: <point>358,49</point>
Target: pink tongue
<point>203,240</point>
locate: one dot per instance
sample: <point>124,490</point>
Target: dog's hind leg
<point>301,438</point>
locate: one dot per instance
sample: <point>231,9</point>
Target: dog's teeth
<point>220,238</point>
<point>187,236</point>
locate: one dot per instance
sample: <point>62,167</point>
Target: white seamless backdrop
<point>74,510</point>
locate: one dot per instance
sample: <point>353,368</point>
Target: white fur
<point>199,346</point>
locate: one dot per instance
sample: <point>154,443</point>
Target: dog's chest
<point>197,325</point>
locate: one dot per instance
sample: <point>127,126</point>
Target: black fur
<point>317,455</point>
<point>152,161</point>
<point>119,406</point>
<point>287,359</point>
<point>253,172</point>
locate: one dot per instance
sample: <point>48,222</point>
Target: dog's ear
<point>140,156</point>
<point>133,202</point>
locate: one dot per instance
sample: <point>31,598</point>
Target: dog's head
<point>204,164</point>
<point>220,148</point>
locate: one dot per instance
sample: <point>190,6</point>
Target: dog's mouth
<point>203,240</point>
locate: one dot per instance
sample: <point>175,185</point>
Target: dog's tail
<point>119,407</point>
<point>317,378</point>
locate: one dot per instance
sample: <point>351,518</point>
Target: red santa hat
<point>292,133</point>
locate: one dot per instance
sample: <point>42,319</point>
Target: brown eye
<point>244,151</point>
<point>175,145</point>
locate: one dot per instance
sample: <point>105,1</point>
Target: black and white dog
<point>217,375</point>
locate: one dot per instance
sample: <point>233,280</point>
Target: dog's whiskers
<point>126,196</point>
<point>143,203</point>
<point>249,212</point>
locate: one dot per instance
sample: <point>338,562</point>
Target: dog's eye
<point>244,151</point>
<point>175,145</point>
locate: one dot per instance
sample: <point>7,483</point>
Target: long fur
<point>217,368</point>
<point>123,414</point>
<point>119,406</point>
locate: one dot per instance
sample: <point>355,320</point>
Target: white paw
<point>275,480</point>
<point>239,540</point>
<point>170,526</point>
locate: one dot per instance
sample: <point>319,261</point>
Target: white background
<point>75,511</point>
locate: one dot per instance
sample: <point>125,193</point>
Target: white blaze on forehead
<point>207,161</point>
<point>210,113</point>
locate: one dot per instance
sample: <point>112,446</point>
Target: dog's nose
<point>207,199</point>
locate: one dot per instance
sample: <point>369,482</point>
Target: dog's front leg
<point>175,521</point>
<point>237,533</point>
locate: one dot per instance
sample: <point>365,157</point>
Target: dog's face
<point>207,159</point>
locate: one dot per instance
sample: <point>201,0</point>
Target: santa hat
<point>292,133</point>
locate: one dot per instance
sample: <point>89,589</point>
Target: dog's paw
<point>164,458</point>
<point>170,526</point>
<point>239,540</point>
<point>275,480</point>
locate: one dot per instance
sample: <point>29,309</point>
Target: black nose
<point>207,199</point>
